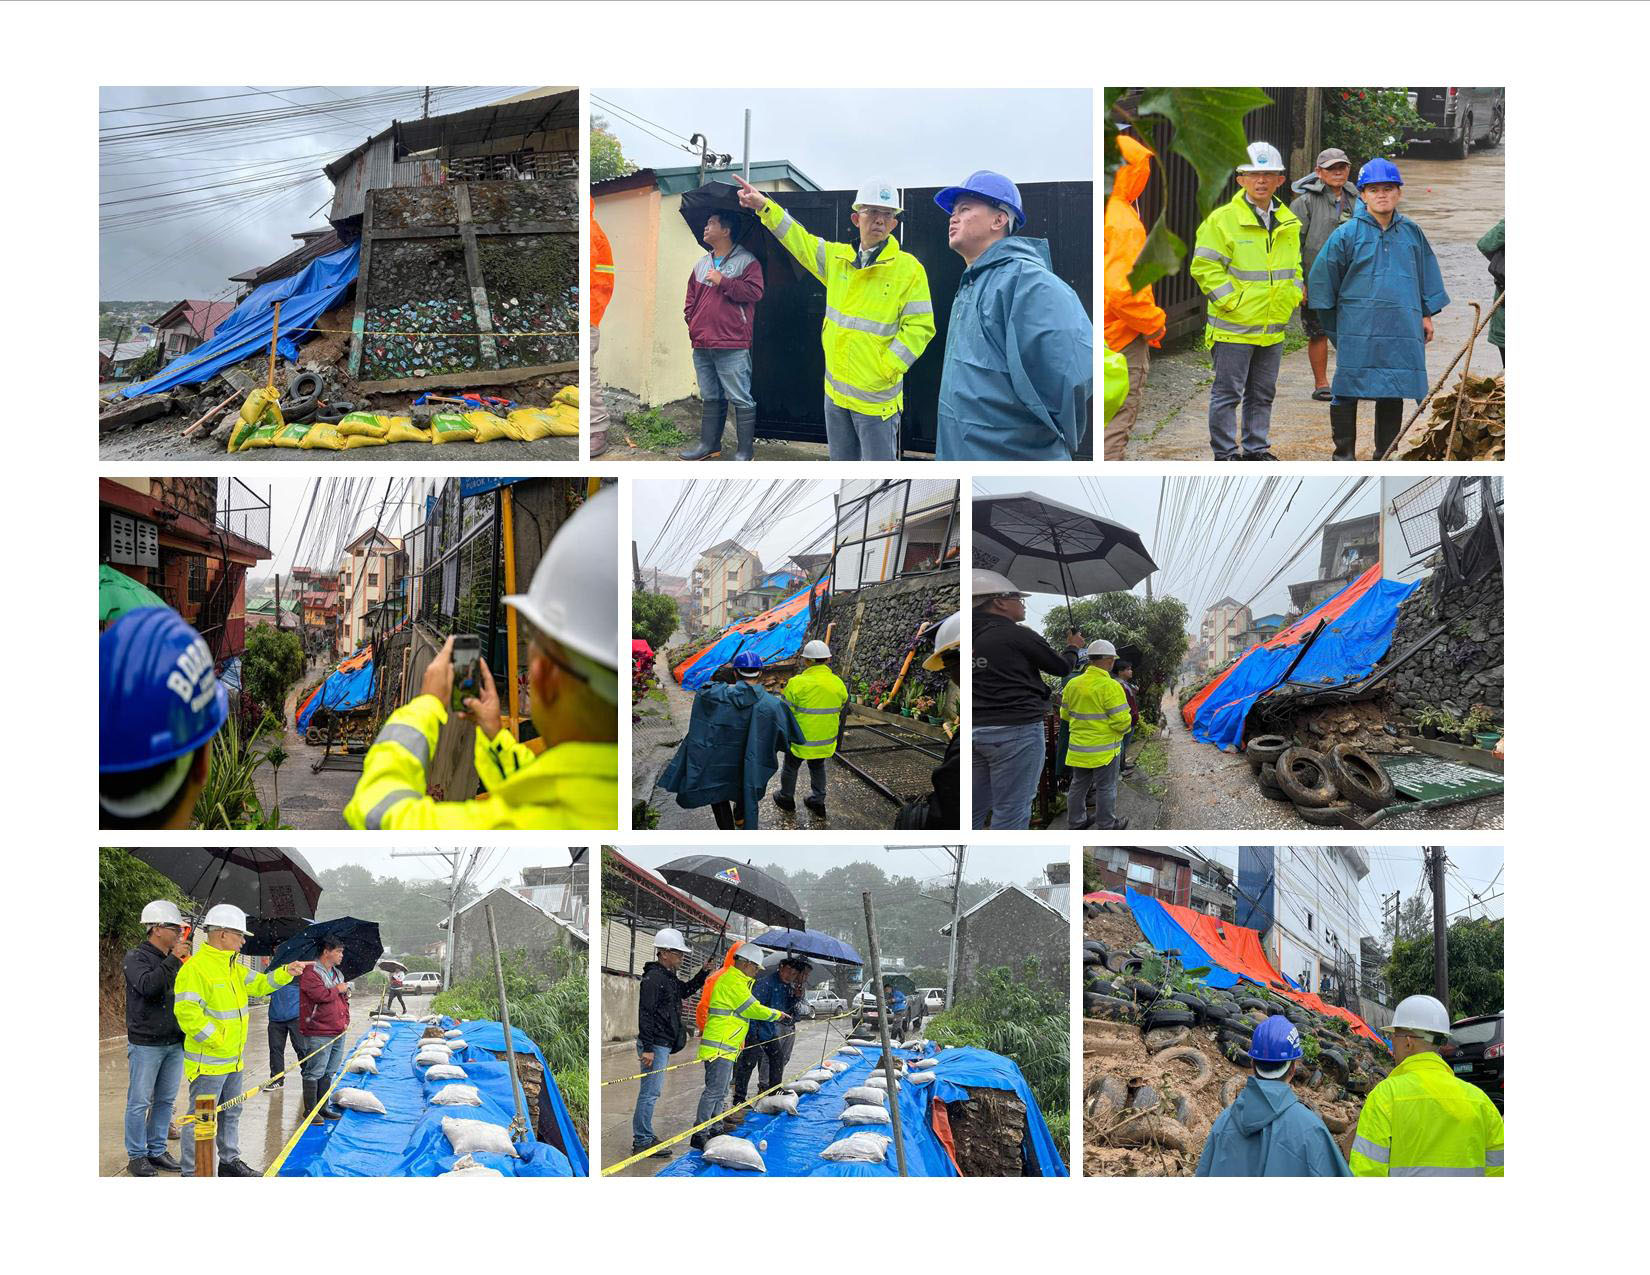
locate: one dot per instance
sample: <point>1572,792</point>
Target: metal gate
<point>787,361</point>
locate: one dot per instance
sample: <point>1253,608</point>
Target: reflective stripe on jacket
<point>878,320</point>
<point>571,785</point>
<point>816,695</point>
<point>210,999</point>
<point>1250,273</point>
<point>1423,1122</point>
<point>733,1006</point>
<point>1097,707</point>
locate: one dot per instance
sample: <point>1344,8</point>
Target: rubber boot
<point>744,427</point>
<point>1389,419</point>
<point>311,1096</point>
<point>1343,427</point>
<point>710,431</point>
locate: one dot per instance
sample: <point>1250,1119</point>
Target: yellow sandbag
<point>402,430</point>
<point>262,407</point>
<point>292,435</point>
<point>488,427</point>
<point>449,427</point>
<point>363,423</point>
<point>569,395</point>
<point>564,419</point>
<point>324,435</point>
<point>362,440</point>
<point>262,436</point>
<point>532,423</point>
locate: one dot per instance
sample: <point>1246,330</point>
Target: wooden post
<point>358,325</point>
<point>274,335</point>
<point>882,1025</point>
<point>478,284</point>
<point>206,1136</point>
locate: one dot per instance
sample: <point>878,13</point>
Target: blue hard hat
<point>1379,170</point>
<point>987,185</point>
<point>160,696</point>
<point>747,659</point>
<point>1276,1040</point>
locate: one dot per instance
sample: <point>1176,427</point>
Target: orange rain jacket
<point>1128,313</point>
<point>601,270</point>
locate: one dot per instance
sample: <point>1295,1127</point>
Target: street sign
<point>1432,778</point>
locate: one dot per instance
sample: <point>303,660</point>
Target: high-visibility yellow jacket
<point>1423,1122</point>
<point>1117,382</point>
<point>816,695</point>
<point>210,999</point>
<point>571,785</point>
<point>1097,707</point>
<point>1250,273</point>
<point>878,320</point>
<point>732,1009</point>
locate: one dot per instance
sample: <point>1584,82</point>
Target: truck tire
<point>1269,783</point>
<point>1304,775</point>
<point>1230,1088</point>
<point>1361,778</point>
<point>1167,1016</point>
<point>1329,816</point>
<point>1203,1071</point>
<point>1264,748</point>
<point>305,385</point>
<point>1161,1038</point>
<point>1463,146</point>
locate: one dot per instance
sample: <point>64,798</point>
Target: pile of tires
<point>1327,790</point>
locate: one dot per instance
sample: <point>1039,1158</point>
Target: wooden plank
<point>358,325</point>
<point>911,724</point>
<point>478,285</point>
<point>485,376</point>
<point>417,232</point>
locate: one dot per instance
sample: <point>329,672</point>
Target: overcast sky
<point>289,503</point>
<point>1198,577</point>
<point>1018,864</point>
<point>652,501</point>
<point>185,206</point>
<point>499,865</point>
<point>842,138</point>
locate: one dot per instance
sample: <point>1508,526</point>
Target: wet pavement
<point>1454,202</point>
<point>308,799</point>
<point>679,1102</point>
<point>269,1116</point>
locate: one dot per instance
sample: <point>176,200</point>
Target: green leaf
<point>1208,132</point>
<point>1160,255</point>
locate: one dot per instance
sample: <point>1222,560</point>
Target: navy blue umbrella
<point>362,947</point>
<point>269,932</point>
<point>812,944</point>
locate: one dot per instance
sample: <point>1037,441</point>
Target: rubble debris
<point>1481,430</point>
<point>135,412</point>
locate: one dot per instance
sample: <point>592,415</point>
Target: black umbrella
<point>1043,546</point>
<point>723,197</point>
<point>269,932</point>
<point>735,887</point>
<point>261,882</point>
<point>362,947</point>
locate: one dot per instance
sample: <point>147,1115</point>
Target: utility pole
<point>277,602</point>
<point>457,881</point>
<point>1440,933</point>
<point>747,143</point>
<point>426,101</point>
<point>956,924</point>
<point>703,143</point>
<point>636,568</point>
<point>882,1026</point>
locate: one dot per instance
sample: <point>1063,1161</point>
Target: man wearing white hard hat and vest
<point>732,1008</point>
<point>571,613</point>
<point>211,996</point>
<point>816,695</point>
<point>1423,1121</point>
<point>879,316</point>
<point>1096,706</point>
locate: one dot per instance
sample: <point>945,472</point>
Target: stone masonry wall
<point>1462,666</point>
<point>874,627</point>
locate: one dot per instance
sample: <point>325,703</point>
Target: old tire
<point>1161,1038</point>
<point>1204,1072</point>
<point>1269,783</point>
<point>1330,816</point>
<point>1096,1005</point>
<point>1264,748</point>
<point>1230,1088</point>
<point>1304,774</point>
<point>305,385</point>
<point>1361,778</point>
<point>1334,1062</point>
<point>297,410</point>
<point>1236,1053</point>
<point>1122,962</point>
<point>1166,1016</point>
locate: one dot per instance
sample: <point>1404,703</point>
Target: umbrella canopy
<point>392,967</point>
<point>259,881</point>
<point>117,594</point>
<point>269,932</point>
<point>812,944</point>
<point>362,947</point>
<point>1043,546</point>
<point>735,887</point>
<point>723,196</point>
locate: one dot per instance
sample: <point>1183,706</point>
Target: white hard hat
<point>1263,158</point>
<point>161,912</point>
<point>574,594</point>
<point>670,940</point>
<point>948,637</point>
<point>1100,648</point>
<point>878,194</point>
<point>1421,1014</point>
<point>748,952</point>
<point>225,916</point>
<point>816,650</point>
<point>992,584</point>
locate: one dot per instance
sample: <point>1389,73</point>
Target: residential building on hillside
<point>189,324</point>
<point>1006,928</point>
<point>1223,623</point>
<point>371,572</point>
<point>722,572</point>
<point>1304,901</point>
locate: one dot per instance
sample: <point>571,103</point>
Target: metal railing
<point>1417,511</point>
<point>241,512</point>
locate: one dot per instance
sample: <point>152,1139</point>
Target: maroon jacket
<point>322,1010</point>
<point>720,316</point>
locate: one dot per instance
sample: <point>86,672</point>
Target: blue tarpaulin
<point>776,634</point>
<point>407,1141</point>
<point>304,297</point>
<point>794,1142</point>
<point>341,692</point>
<point>1165,934</point>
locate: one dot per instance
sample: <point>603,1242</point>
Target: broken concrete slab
<point>135,412</point>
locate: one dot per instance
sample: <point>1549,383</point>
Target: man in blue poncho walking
<point>1267,1132</point>
<point>1375,286</point>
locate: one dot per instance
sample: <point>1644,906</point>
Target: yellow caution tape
<point>247,1093</point>
<point>303,1124</point>
<point>694,1062</point>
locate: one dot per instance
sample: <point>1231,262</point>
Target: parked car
<point>925,1004</point>
<point>824,1001</point>
<point>1477,1052</point>
<point>1459,119</point>
<point>425,984</point>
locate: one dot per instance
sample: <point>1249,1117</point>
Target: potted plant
<point>1481,723</point>
<point>1429,719</point>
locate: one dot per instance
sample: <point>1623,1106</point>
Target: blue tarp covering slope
<point>1164,933</point>
<point>304,297</point>
<point>789,626</point>
<point>341,691</point>
<point>407,1141</point>
<point>795,1142</point>
<point>1347,650</point>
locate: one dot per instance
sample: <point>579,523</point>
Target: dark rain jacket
<point>732,747</point>
<point>1009,660</point>
<point>149,975</point>
<point>659,1022</point>
<point>1268,1133</point>
<point>1320,214</point>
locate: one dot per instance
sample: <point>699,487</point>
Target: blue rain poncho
<point>1370,288</point>
<point>1019,360</point>
<point>732,747</point>
<point>1268,1133</point>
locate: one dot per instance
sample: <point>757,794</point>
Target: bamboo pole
<point>882,1028</point>
<point>518,1126</point>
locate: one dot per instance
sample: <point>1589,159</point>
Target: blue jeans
<point>323,1064</point>
<point>1246,374</point>
<point>647,1097</point>
<point>223,1088</point>
<point>1123,750</point>
<point>1008,762</point>
<point>153,1073</point>
<point>1099,785</point>
<point>725,375</point>
<point>714,1101</point>
<point>853,435</point>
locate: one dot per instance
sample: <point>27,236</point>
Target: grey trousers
<point>1246,375</point>
<point>856,436</point>
<point>1098,783</point>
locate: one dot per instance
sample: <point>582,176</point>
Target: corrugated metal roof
<point>673,181</point>
<point>516,118</point>
<point>314,243</point>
